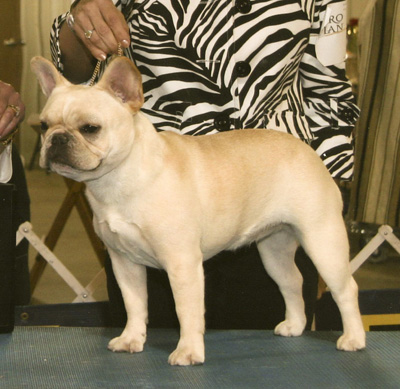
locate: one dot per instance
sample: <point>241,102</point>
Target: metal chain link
<point>96,70</point>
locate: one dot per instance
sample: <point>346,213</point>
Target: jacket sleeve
<point>55,42</point>
<point>329,103</point>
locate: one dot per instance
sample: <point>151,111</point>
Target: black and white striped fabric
<point>217,65</point>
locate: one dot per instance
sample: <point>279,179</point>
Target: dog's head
<point>87,131</point>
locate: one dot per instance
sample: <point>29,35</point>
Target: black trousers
<point>21,210</point>
<point>239,293</point>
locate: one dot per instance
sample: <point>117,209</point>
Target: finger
<point>108,23</point>
<point>89,17</point>
<point>8,122</point>
<point>120,29</point>
<point>112,18</point>
<point>6,92</point>
<point>21,115</point>
<point>12,125</point>
<point>103,35</point>
<point>96,46</point>
<point>12,115</point>
<point>3,107</point>
<point>15,100</point>
<point>110,27</point>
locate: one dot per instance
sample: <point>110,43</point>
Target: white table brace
<point>84,294</point>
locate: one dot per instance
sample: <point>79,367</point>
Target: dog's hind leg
<point>277,252</point>
<point>327,245</point>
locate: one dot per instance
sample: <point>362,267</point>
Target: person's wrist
<point>70,18</point>
<point>70,21</point>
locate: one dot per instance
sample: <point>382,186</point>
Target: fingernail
<point>125,43</point>
<point>102,57</point>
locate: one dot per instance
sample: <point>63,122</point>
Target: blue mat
<point>40,357</point>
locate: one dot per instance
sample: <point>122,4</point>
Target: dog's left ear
<point>47,74</point>
<point>123,80</point>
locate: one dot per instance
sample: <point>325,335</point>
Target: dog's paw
<point>351,343</point>
<point>289,328</point>
<point>126,344</point>
<point>186,357</point>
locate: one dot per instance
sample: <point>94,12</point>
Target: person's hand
<point>100,26</point>
<point>12,109</point>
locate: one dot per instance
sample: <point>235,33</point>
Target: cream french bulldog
<point>170,201</point>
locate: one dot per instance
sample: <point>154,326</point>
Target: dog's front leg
<point>187,283</point>
<point>133,284</point>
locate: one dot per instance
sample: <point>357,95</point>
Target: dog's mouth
<point>58,159</point>
<point>65,155</point>
<point>58,165</point>
<point>63,163</point>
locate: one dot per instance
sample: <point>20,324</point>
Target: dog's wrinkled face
<point>84,129</point>
<point>74,134</point>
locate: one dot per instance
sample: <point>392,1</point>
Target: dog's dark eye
<point>44,126</point>
<point>89,129</point>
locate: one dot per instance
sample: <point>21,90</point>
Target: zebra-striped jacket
<point>216,65</point>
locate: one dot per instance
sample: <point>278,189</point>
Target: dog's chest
<point>125,238</point>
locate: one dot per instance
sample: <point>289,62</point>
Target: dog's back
<point>246,183</point>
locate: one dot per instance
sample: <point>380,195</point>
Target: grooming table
<point>50,357</point>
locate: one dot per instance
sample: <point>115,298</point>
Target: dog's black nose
<point>59,139</point>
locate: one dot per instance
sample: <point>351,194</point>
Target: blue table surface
<point>51,357</point>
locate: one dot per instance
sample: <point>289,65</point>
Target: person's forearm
<point>77,60</point>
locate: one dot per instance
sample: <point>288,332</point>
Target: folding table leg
<point>83,294</point>
<point>385,232</point>
<point>55,232</point>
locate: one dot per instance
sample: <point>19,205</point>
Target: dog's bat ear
<point>47,74</point>
<point>123,80</point>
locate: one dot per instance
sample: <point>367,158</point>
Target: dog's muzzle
<point>59,149</point>
<point>63,150</point>
<point>60,139</point>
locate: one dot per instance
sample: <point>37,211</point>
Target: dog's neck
<point>145,156</point>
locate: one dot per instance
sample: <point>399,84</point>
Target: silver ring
<point>89,33</point>
<point>70,21</point>
<point>15,109</point>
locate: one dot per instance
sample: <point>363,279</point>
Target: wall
<point>36,20</point>
<point>356,7</point>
